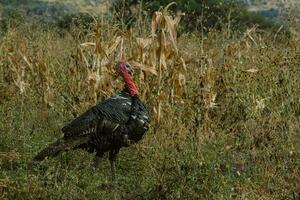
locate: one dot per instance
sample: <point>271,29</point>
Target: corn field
<point>225,107</point>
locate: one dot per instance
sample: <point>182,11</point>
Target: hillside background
<point>271,8</point>
<point>223,90</point>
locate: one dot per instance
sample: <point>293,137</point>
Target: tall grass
<point>226,110</point>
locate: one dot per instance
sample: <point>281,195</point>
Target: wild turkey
<point>108,126</point>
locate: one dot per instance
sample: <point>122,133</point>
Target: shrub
<point>199,14</point>
<point>10,17</point>
<point>83,20</point>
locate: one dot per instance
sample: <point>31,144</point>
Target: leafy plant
<point>204,14</point>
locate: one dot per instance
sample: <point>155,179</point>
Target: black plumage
<point>97,129</point>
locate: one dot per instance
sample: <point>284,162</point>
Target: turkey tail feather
<point>60,145</point>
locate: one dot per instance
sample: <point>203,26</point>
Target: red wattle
<point>129,83</point>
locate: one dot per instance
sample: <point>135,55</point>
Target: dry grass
<point>226,110</point>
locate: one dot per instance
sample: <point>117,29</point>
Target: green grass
<point>246,147</point>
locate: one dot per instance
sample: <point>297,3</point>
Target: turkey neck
<point>130,85</point>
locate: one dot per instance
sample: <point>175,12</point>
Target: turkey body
<point>95,129</point>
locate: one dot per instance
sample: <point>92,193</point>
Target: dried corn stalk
<point>98,59</point>
<point>46,82</point>
<point>152,55</point>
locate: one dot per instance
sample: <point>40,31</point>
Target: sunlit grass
<point>225,127</point>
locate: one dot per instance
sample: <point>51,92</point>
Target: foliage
<point>204,14</point>
<point>10,17</point>
<point>84,21</point>
<point>228,125</point>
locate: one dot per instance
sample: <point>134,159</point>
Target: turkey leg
<point>112,158</point>
<point>98,158</point>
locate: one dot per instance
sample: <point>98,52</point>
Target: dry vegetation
<point>225,106</point>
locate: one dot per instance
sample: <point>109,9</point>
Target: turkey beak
<point>131,72</point>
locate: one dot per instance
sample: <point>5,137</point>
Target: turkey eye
<point>129,69</point>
